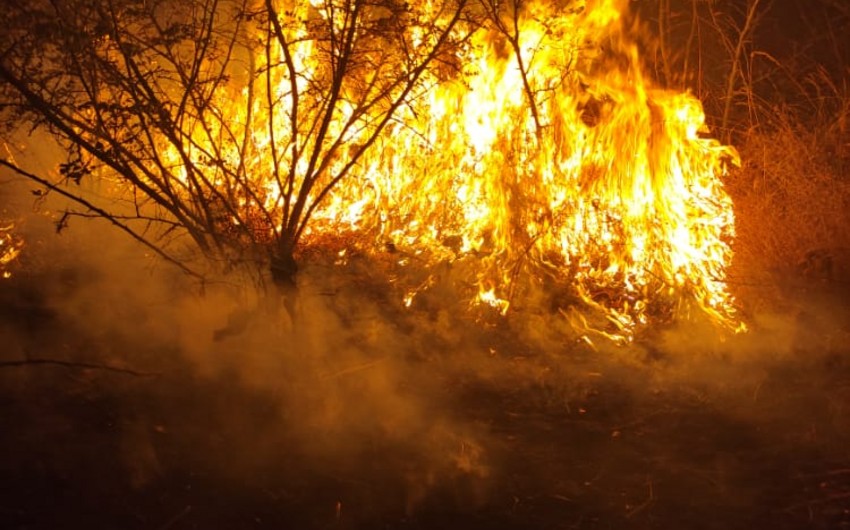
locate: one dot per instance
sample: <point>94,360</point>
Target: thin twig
<point>75,364</point>
<point>736,63</point>
<point>183,513</point>
<point>645,504</point>
<point>351,369</point>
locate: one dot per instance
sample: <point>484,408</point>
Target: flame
<point>612,184</point>
<point>11,245</point>
<point>540,146</point>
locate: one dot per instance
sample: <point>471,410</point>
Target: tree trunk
<point>284,270</point>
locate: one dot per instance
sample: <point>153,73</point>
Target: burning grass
<point>513,165</point>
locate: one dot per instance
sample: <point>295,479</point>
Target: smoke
<point>346,393</point>
<point>361,407</point>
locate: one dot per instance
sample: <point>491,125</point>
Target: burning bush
<point>523,137</point>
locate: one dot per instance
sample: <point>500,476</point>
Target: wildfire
<point>562,155</point>
<point>536,144</point>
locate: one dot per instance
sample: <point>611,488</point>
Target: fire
<point>561,155</point>
<point>537,145</point>
<point>10,248</point>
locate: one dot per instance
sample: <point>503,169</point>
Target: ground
<point>372,417</point>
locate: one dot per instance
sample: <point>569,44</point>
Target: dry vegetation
<point>792,195</point>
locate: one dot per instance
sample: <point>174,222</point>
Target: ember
<point>10,248</point>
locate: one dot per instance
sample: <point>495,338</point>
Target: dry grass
<point>792,195</point>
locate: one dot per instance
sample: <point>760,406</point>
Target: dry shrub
<point>792,195</point>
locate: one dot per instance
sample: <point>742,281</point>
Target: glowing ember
<point>10,248</point>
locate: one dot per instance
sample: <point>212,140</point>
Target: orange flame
<point>542,145</point>
<point>612,184</point>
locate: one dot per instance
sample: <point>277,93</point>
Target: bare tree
<point>229,121</point>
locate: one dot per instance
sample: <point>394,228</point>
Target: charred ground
<point>373,416</point>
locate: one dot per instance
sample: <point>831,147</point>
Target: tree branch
<point>104,214</point>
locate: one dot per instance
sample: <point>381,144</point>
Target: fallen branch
<point>831,473</point>
<point>79,365</point>
<point>351,369</point>
<point>814,502</point>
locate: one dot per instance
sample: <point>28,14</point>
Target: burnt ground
<point>415,421</point>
